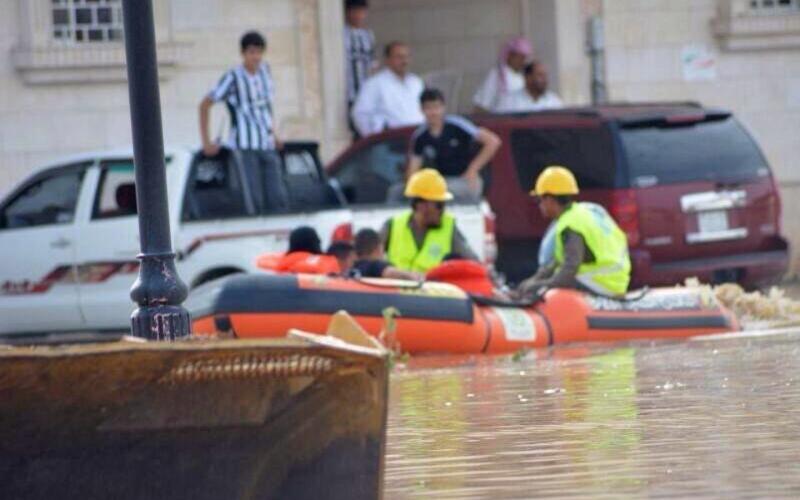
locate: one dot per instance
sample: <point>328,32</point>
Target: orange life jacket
<point>299,263</point>
<point>468,275</point>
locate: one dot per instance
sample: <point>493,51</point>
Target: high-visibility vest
<point>610,272</point>
<point>299,263</point>
<point>403,252</point>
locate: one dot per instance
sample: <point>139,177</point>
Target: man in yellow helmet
<point>419,239</point>
<point>590,252</point>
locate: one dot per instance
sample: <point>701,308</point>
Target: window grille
<point>84,21</point>
<point>774,6</point>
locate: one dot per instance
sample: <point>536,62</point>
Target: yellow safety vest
<point>403,252</point>
<point>610,272</point>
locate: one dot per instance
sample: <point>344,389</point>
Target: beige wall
<point>644,43</point>
<point>40,123</point>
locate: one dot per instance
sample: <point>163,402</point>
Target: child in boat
<point>345,254</point>
<point>304,256</point>
<point>371,261</point>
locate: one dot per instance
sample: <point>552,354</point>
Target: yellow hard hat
<point>557,181</point>
<point>428,184</point>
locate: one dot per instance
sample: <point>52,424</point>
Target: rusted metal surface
<point>708,418</point>
<point>297,418</point>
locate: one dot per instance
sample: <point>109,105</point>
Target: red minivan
<point>688,185</point>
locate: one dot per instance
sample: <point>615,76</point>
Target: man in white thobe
<point>390,98</point>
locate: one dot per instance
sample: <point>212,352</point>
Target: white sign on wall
<point>699,63</point>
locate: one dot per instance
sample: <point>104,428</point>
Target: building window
<point>757,24</point>
<point>774,6</point>
<point>79,21</point>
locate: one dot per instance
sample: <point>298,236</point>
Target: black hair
<point>305,239</point>
<point>252,39</point>
<point>530,67</point>
<point>417,201</point>
<point>367,240</point>
<point>355,4</point>
<point>340,249</point>
<point>387,51</point>
<point>431,95</point>
<point>562,199</point>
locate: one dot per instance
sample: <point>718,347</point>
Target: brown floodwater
<point>705,418</point>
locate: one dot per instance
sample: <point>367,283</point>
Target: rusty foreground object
<point>303,417</point>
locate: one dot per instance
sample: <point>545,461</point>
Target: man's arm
<point>414,164</point>
<point>217,94</point>
<point>209,148</point>
<point>563,276</point>
<point>490,144</point>
<point>365,110</point>
<point>462,248</point>
<point>384,234</point>
<point>391,272</point>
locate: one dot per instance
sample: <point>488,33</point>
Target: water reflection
<point>709,419</point>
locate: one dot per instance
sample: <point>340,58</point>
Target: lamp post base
<point>162,322</point>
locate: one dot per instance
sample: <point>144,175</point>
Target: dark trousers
<point>264,177</point>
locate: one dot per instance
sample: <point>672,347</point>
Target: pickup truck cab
<point>69,234</point>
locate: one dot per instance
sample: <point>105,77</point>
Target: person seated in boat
<point>419,239</point>
<point>345,254</point>
<point>304,255</point>
<point>371,259</point>
<point>589,250</point>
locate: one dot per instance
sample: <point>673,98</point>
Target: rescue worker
<point>590,252</point>
<point>419,239</point>
<point>304,256</point>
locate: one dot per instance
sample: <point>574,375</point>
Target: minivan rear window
<point>587,152</point>
<point>718,150</point>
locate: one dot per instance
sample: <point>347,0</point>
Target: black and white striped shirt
<point>359,48</point>
<point>249,99</point>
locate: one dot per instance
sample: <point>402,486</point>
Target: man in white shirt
<point>535,96</point>
<point>505,77</point>
<point>390,98</point>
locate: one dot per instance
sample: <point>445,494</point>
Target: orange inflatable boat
<point>442,318</point>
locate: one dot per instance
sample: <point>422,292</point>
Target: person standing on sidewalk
<point>359,49</point>
<point>248,92</point>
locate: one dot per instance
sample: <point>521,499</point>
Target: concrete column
<point>335,134</point>
<point>558,31</point>
<point>542,30</point>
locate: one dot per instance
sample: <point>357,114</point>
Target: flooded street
<point>708,418</point>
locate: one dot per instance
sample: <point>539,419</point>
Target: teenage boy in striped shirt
<point>248,92</point>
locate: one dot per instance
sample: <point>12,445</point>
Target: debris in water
<point>751,306</point>
<point>520,355</point>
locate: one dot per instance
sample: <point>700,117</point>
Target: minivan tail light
<point>342,232</point>
<point>625,210</point>
<point>775,207</point>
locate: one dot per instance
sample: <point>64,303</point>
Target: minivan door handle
<point>60,243</point>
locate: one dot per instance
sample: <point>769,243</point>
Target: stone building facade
<point>63,82</point>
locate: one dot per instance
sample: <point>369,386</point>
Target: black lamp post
<point>158,290</point>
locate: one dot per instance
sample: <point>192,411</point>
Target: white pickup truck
<point>69,233</point>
